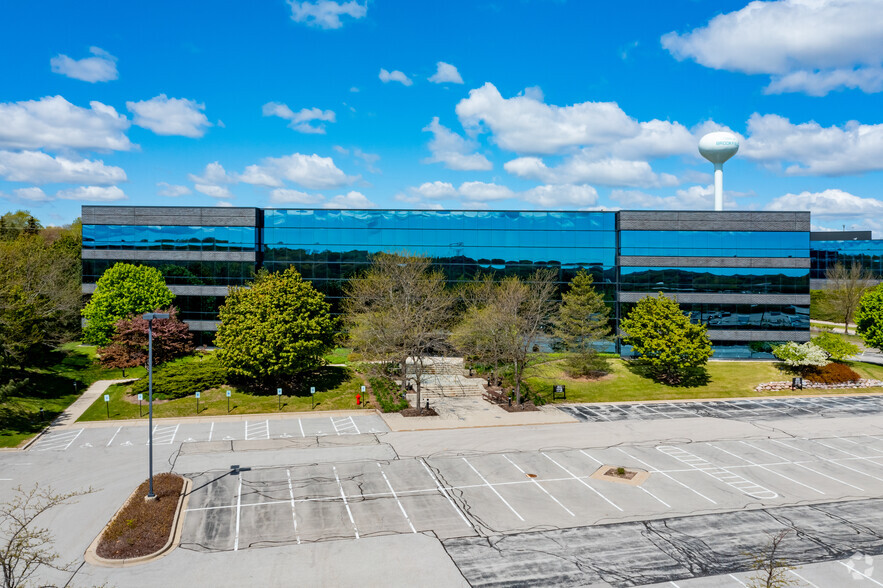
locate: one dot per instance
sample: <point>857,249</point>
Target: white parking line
<point>581,481</point>
<point>114,437</point>
<point>721,474</point>
<point>355,427</point>
<point>741,583</point>
<point>293,516</point>
<point>444,492</point>
<point>211,431</point>
<point>301,425</point>
<point>652,469</point>
<point>853,570</point>
<point>806,467</point>
<point>802,579</point>
<point>59,442</point>
<point>345,503</point>
<point>334,425</point>
<point>494,490</point>
<point>238,511</point>
<point>540,486</point>
<point>259,430</point>
<point>765,468</point>
<point>399,502</point>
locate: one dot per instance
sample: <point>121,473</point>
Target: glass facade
<point>704,279</point>
<point>825,254</point>
<point>330,246</point>
<point>169,238</point>
<point>183,273</point>
<point>714,243</point>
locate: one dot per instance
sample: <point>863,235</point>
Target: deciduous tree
<point>581,323</point>
<point>869,318</point>
<point>664,338</point>
<point>399,311</point>
<point>129,347</point>
<point>838,348</point>
<point>845,287</point>
<point>801,356</point>
<point>275,329</point>
<point>122,291</point>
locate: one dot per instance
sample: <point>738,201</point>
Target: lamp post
<point>149,316</point>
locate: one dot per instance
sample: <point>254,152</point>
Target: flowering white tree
<point>801,355</point>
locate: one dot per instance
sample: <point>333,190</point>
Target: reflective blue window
<point>167,238</point>
<point>743,317</point>
<point>703,279</point>
<point>715,243</point>
<point>868,254</point>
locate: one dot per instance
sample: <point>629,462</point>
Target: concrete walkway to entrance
<point>79,406</point>
<point>474,411</point>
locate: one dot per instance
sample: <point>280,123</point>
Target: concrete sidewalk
<point>79,406</point>
<point>473,411</point>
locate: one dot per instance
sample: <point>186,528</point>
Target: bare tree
<point>506,325</point>
<point>399,310</point>
<point>25,547</point>
<point>846,285</point>
<point>771,571</point>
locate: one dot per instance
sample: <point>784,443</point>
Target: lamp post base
<point>150,498</point>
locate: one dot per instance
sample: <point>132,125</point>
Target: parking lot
<point>740,409</point>
<point>130,435</point>
<point>490,494</point>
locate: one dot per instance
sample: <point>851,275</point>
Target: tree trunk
<point>517,385</point>
<point>418,373</point>
<point>846,324</point>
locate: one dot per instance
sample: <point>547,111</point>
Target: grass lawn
<point>339,355</point>
<point>53,388</point>
<point>728,379</point>
<point>338,393</point>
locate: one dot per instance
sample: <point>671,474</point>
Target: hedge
<point>184,378</point>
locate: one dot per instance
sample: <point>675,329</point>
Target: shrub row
<point>833,373</point>
<point>184,378</point>
<point>387,395</point>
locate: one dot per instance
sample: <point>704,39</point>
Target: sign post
<point>140,398</point>
<point>312,397</point>
<point>197,404</point>
<point>228,402</point>
<point>107,404</point>
<point>559,389</point>
<point>279,394</point>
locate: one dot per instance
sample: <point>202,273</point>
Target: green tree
<point>869,318</point>
<point>838,348</point>
<point>123,290</point>
<point>15,224</point>
<point>398,312</point>
<point>275,329</point>
<point>665,339</point>
<point>581,323</point>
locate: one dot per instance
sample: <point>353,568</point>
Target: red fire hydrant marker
<point>358,399</point>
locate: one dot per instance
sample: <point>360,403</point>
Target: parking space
<point>503,493</point>
<point>135,434</point>
<point>742,409</point>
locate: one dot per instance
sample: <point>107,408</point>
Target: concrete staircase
<point>445,377</point>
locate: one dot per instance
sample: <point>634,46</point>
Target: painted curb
<point>91,556</point>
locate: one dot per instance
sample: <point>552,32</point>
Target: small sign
<point>312,389</point>
<point>228,394</point>
<point>197,394</point>
<point>107,397</point>
<point>558,389</point>
<point>140,397</point>
<point>363,389</point>
<point>279,391</point>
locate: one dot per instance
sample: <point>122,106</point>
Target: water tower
<point>717,148</point>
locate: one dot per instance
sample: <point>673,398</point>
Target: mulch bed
<point>628,475</point>
<point>142,527</point>
<point>525,407</point>
<point>418,412</point>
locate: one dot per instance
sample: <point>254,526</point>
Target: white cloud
<point>453,150</point>
<point>31,194</point>
<point>310,171</point>
<point>214,191</point>
<point>214,173</point>
<point>350,200</point>
<point>829,203</point>
<point>482,191</point>
<point>92,194</point>
<point>170,116</point>
<point>446,73</point>
<point>171,190</point>
<point>692,198</point>
<point>36,167</point>
<point>394,76</point>
<point>435,190</point>
<point>54,123</point>
<point>525,124</point>
<point>657,139</point>
<point>223,204</point>
<point>561,196</point>
<point>300,121</point>
<point>810,149</point>
<point>325,14</point>
<point>100,68</point>
<point>583,167</point>
<point>259,176</point>
<point>286,196</point>
<point>811,46</point>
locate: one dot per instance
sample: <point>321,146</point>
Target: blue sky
<point>521,104</point>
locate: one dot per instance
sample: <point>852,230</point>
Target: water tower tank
<point>717,148</point>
